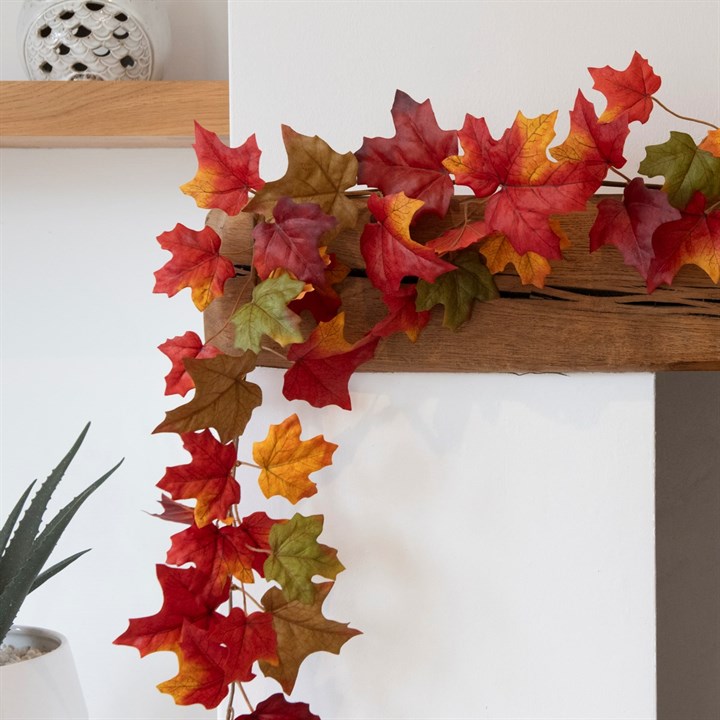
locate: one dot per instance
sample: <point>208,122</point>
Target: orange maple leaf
<point>286,461</point>
<point>224,175</point>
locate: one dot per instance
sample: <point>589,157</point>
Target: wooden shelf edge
<point>37,114</point>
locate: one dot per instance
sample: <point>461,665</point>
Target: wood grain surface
<point>593,315</point>
<point>110,114</point>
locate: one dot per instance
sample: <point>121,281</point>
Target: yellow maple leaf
<point>286,461</point>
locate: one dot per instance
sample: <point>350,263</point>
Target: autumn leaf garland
<point>220,632</point>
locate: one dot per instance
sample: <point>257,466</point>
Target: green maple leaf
<point>685,167</point>
<point>315,174</point>
<point>458,289</point>
<point>296,557</point>
<point>267,314</point>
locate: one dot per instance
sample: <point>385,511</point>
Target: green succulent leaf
<point>22,571</point>
<point>296,557</point>
<point>458,289</point>
<point>685,167</point>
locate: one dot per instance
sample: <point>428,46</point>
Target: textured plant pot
<point>43,688</point>
<point>94,39</point>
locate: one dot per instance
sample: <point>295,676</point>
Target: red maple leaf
<point>323,364</point>
<point>628,90</point>
<point>458,238</point>
<point>213,658</point>
<point>189,345</point>
<point>292,241</point>
<point>591,141</point>
<point>323,302</point>
<point>533,187</point>
<point>175,511</point>
<point>248,638</point>
<point>389,252</point>
<point>629,224</point>
<point>402,315</point>
<point>222,552</point>
<point>693,239</point>
<point>224,175</point>
<point>196,263</point>
<point>276,707</point>
<point>207,477</point>
<point>412,160</point>
<point>187,596</point>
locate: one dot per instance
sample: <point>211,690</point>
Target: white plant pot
<point>43,688</point>
<point>94,40</point>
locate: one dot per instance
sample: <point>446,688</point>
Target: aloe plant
<point>26,548</point>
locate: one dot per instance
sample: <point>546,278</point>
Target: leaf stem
<point>244,595</point>
<point>273,352</point>
<point>259,550</point>
<point>245,697</point>
<point>230,712</point>
<point>683,117</point>
<point>712,207</point>
<point>249,464</point>
<point>251,598</point>
<point>622,175</point>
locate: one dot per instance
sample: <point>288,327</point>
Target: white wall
<point>498,531</point>
<point>79,330</point>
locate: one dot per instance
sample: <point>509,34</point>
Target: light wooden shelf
<point>36,114</point>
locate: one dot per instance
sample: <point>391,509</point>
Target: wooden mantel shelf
<point>110,114</point>
<point>594,313</point>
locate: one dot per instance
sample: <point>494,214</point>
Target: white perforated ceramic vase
<point>94,39</point>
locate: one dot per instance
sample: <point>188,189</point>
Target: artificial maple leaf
<point>412,160</point>
<point>459,238</point>
<point>499,253</point>
<point>248,638</point>
<point>693,239</point>
<point>590,141</point>
<point>711,142</point>
<point>286,461</point>
<point>276,707</point>
<point>196,263</point>
<point>628,90</point>
<point>323,364</point>
<point>402,315</point>
<point>457,290</point>
<point>187,596</point>
<point>629,224</point>
<point>296,557</point>
<point>174,511</point>
<point>315,174</point>
<point>213,658</point>
<point>189,345</point>
<point>224,175</point>
<point>224,399</point>
<point>323,302</point>
<point>219,552</point>
<point>533,186</point>
<point>256,529</point>
<point>208,477</point>
<point>686,168</point>
<point>301,630</point>
<point>268,314</point>
<point>292,241</point>
<point>201,676</point>
<point>389,252</point>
